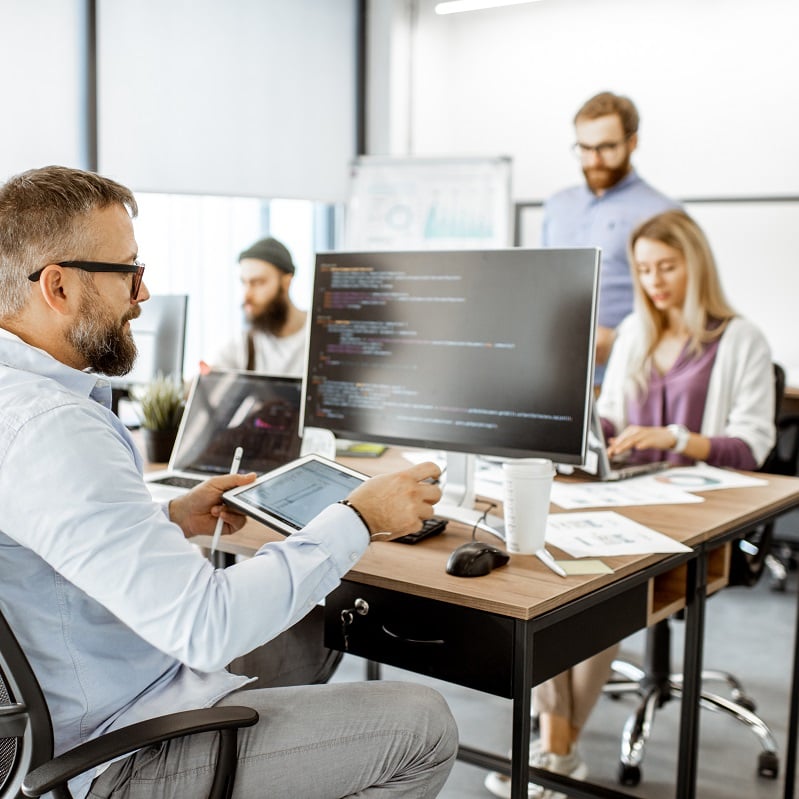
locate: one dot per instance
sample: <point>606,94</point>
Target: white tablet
<point>288,498</point>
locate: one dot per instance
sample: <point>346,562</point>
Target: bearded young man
<point>121,617</point>
<point>275,339</point>
<point>603,212</point>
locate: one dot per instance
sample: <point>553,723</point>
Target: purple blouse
<point>678,397</point>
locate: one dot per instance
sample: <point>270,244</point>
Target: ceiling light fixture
<point>455,6</point>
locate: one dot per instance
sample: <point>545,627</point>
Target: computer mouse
<point>475,559</point>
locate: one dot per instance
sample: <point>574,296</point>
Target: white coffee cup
<point>528,482</point>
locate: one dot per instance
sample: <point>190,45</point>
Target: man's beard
<point>273,318</point>
<point>102,342</point>
<point>602,178</point>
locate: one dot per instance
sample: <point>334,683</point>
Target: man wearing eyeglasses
<point>122,617</point>
<point>603,211</point>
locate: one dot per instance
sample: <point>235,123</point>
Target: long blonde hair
<point>704,298</point>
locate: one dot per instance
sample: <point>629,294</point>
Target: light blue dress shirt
<point>122,618</point>
<point>576,217</point>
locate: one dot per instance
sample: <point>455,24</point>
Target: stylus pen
<point>434,481</point>
<point>548,561</point>
<point>234,469</point>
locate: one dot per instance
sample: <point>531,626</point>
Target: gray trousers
<point>386,739</point>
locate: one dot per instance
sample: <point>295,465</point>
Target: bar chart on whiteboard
<point>429,203</point>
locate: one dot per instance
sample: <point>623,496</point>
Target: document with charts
<point>604,534</point>
<point>645,490</point>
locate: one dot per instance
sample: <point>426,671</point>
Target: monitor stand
<point>457,501</point>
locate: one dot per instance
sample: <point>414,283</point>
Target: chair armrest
<point>13,720</point>
<point>128,739</point>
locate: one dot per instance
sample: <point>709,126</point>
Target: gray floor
<point>749,632</point>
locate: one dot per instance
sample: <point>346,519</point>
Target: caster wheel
<point>629,775</point>
<point>768,765</point>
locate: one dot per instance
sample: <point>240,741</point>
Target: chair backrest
<point>748,560</point>
<point>26,732</point>
<point>778,460</point>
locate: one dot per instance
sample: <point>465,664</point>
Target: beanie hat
<point>271,251</point>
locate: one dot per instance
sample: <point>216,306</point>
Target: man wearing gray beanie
<point>275,338</point>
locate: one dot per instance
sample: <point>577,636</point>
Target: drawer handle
<point>412,640</point>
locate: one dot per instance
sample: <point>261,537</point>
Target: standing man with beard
<point>121,617</point>
<point>275,339</point>
<point>603,212</point>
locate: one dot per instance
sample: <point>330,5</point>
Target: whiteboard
<point>429,203</point>
<point>755,242</point>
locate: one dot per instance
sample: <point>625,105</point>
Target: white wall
<point>228,97</point>
<point>716,83</point>
<point>41,74</point>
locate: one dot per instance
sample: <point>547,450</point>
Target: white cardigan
<point>740,393</point>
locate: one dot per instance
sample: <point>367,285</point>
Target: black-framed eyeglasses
<point>136,269</point>
<point>603,150</point>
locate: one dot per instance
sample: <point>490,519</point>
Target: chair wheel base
<point>768,765</point>
<point>629,775</point>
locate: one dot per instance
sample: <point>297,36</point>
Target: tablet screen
<point>288,498</point>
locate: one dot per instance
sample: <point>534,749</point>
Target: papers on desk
<point>605,534</point>
<point>635,491</point>
<point>671,487</point>
<point>704,478</point>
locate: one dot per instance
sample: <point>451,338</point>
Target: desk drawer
<point>425,636</point>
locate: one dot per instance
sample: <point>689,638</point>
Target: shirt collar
<point>14,352</point>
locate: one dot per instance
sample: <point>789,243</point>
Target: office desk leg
<point>692,671</point>
<point>522,704</point>
<point>793,722</point>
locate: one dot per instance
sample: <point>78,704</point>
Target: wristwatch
<point>681,434</point>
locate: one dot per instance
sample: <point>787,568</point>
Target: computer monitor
<point>160,336</point>
<point>471,351</point>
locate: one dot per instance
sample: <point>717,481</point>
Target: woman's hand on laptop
<point>396,504</point>
<point>197,511</point>
<point>639,437</point>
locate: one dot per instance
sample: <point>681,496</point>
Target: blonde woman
<point>688,380</point>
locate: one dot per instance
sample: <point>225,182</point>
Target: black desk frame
<point>529,668</point>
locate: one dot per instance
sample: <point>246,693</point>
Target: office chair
<point>783,555</point>
<point>656,684</point>
<point>27,766</point>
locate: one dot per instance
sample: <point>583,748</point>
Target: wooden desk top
<point>525,588</point>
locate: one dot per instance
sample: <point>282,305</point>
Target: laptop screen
<point>228,409</point>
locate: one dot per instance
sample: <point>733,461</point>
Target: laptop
<point>227,409</point>
<point>600,466</point>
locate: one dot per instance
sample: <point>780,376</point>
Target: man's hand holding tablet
<point>395,504</point>
<point>390,505</point>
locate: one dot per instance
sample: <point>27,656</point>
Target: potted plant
<point>160,407</point>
